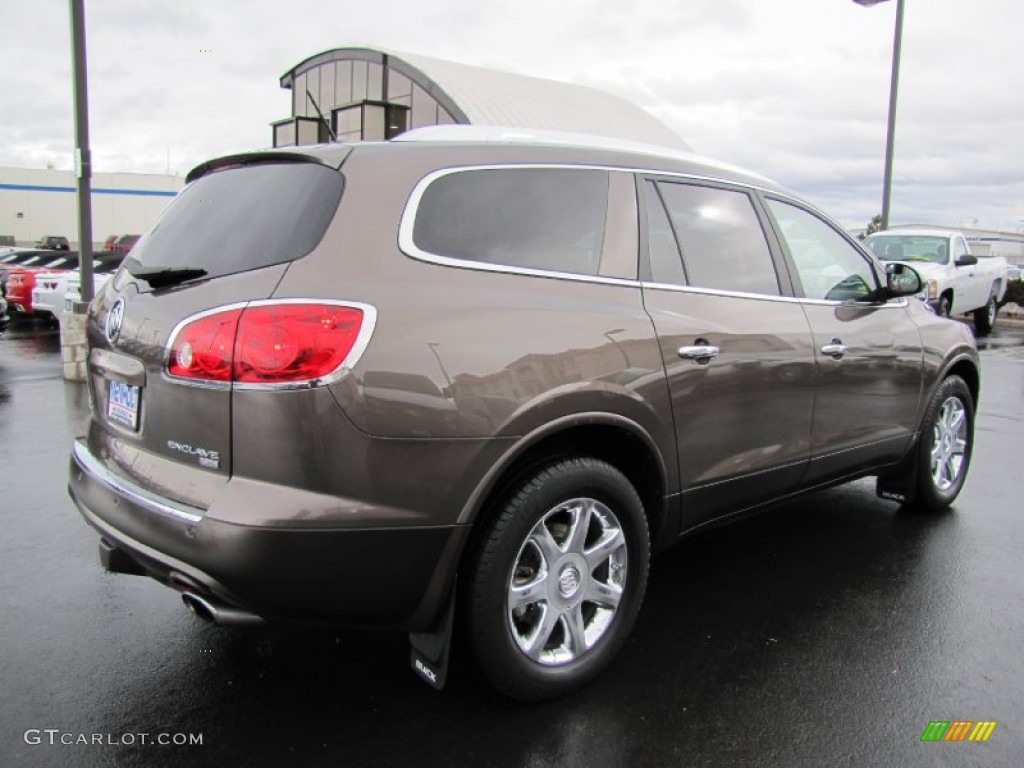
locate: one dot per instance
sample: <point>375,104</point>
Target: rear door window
<point>720,238</point>
<point>243,218</point>
<point>550,219</point>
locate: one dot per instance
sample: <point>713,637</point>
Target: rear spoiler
<point>330,155</point>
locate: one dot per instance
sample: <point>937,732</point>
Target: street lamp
<point>893,85</point>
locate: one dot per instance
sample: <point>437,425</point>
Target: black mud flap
<point>428,651</point>
<point>900,483</point>
<point>115,560</point>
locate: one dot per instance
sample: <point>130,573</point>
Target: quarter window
<point>548,219</point>
<point>720,237</point>
<point>827,265</point>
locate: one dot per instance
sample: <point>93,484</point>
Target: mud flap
<point>428,651</point>
<point>900,483</point>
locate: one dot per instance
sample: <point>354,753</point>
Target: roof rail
<point>511,135</point>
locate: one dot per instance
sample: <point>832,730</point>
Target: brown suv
<point>438,378</point>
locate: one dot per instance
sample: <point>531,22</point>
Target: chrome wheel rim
<point>949,444</point>
<point>991,310</point>
<point>567,582</point>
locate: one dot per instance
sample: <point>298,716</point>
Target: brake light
<point>272,343</point>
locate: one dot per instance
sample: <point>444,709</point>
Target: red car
<point>124,243</point>
<point>22,280</point>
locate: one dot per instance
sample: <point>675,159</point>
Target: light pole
<point>83,160</point>
<point>890,136</point>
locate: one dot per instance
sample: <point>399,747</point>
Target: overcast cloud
<point>794,89</point>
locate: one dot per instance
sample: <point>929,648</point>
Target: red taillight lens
<point>202,349</point>
<point>266,343</point>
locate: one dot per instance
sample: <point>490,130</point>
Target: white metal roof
<point>494,98</point>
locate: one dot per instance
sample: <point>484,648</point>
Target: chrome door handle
<point>835,350</point>
<point>702,353</point>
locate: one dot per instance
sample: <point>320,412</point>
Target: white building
<point>34,203</point>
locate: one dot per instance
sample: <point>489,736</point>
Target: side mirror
<point>967,260</point>
<point>901,280</point>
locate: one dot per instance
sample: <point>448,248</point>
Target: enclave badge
<point>115,317</point>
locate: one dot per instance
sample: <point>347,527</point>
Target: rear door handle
<point>835,350</point>
<point>702,353</point>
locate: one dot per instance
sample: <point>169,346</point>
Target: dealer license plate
<point>123,404</point>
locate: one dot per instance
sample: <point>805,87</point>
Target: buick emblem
<point>114,319</point>
<point>569,581</point>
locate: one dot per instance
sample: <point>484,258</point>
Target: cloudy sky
<point>794,89</point>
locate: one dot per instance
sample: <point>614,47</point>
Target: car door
<point>969,292</point>
<point>869,356</point>
<point>737,350</point>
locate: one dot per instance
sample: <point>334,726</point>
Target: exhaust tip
<point>199,607</point>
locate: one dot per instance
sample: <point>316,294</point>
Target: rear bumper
<point>387,576</point>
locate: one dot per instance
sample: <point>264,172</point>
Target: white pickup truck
<point>958,282</point>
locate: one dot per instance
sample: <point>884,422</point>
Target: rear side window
<point>550,219</point>
<point>243,218</point>
<point>720,237</point>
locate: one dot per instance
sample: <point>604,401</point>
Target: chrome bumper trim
<point>130,490</point>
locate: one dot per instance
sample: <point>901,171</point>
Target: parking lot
<point>829,631</point>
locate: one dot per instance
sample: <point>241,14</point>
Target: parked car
<point>125,243</point>
<point>400,382</point>
<point>24,257</point>
<point>22,280</point>
<point>108,244</point>
<point>4,317</point>
<point>7,241</point>
<point>51,287</point>
<point>958,282</point>
<point>53,242</point>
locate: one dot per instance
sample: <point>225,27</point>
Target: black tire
<point>942,460</point>
<point>985,317</point>
<point>515,560</point>
<point>943,309</point>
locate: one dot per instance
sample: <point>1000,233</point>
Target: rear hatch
<point>226,240</point>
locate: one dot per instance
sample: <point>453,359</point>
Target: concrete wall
<point>36,202</point>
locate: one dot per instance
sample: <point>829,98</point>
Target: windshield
<point>909,248</point>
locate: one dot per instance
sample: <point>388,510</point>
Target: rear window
<point>549,219</point>
<point>243,218</point>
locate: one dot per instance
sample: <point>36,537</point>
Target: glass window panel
<point>663,252</point>
<point>721,239</point>
<point>398,121</point>
<point>375,82</point>
<point>327,102</point>
<point>424,108</point>
<point>537,218</point>
<point>373,122</point>
<point>348,121</point>
<point>299,96</point>
<point>828,266</point>
<point>358,80</point>
<point>313,86</point>
<point>399,86</point>
<point>343,83</point>
<point>284,134</point>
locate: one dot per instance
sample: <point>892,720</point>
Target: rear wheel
<point>985,317</point>
<point>946,444</point>
<point>558,579</point>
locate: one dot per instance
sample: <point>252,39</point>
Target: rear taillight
<point>272,343</point>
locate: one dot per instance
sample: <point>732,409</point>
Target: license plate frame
<point>123,401</point>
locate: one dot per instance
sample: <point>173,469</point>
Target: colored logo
<point>958,730</point>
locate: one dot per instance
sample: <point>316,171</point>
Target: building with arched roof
<point>369,94</point>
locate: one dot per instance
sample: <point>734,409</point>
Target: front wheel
<point>946,444</point>
<point>985,317</point>
<point>558,578</point>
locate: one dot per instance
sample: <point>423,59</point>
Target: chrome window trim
<point>892,303</point>
<point>407,223</point>
<point>129,490</point>
<point>355,354</point>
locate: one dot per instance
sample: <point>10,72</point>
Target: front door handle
<point>835,350</point>
<point>702,353</point>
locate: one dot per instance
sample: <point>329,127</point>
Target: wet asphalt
<point>826,632</point>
